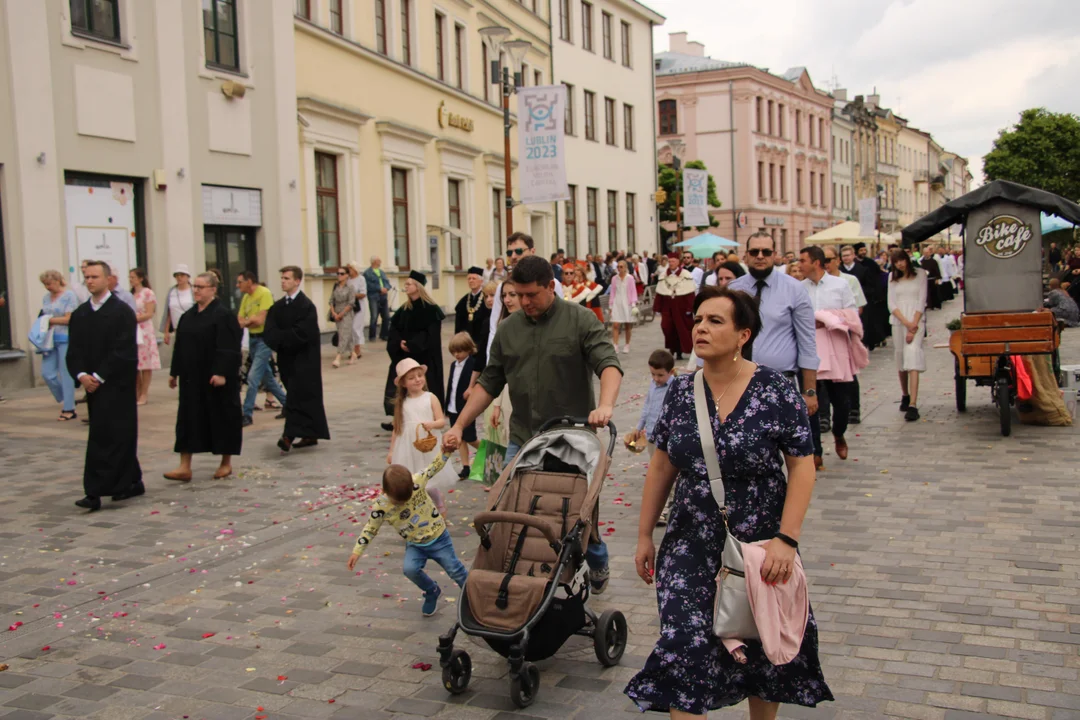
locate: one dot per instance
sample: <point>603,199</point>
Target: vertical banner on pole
<point>868,217</point>
<point>541,133</point>
<point>695,198</point>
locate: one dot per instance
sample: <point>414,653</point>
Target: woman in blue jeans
<point>58,304</point>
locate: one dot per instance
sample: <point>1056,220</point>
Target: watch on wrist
<point>810,392</point>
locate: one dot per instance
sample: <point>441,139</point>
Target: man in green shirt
<point>253,308</point>
<point>547,355</point>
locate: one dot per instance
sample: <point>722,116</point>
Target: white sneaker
<point>626,349</point>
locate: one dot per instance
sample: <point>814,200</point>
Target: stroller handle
<point>567,420</point>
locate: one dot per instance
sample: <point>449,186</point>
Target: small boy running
<point>661,367</point>
<point>406,505</point>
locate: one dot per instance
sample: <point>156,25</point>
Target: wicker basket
<point>425,444</point>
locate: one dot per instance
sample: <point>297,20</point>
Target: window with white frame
<point>453,206</point>
<point>400,187</point>
<point>100,19</point>
<point>221,34</point>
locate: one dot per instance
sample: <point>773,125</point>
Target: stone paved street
<point>943,561</point>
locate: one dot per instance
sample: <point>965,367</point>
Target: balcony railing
<point>884,168</point>
<point>922,175</point>
<point>889,214</point>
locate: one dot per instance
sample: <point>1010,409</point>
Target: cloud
<point>959,69</point>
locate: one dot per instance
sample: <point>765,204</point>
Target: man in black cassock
<point>471,315</point>
<point>292,331</point>
<point>103,358</point>
<point>416,332</point>
<point>875,317</point>
<point>206,365</point>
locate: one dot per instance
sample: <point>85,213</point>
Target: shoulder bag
<point>732,616</point>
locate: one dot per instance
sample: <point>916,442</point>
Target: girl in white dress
<point>415,407</point>
<point>907,314</point>
<point>623,294</point>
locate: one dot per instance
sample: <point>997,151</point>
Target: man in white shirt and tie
<point>690,265</point>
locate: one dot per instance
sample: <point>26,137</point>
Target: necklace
<point>470,308</point>
<point>718,398</point>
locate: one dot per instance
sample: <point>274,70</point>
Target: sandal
<point>66,416</point>
<point>271,405</point>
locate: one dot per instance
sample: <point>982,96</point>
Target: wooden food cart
<point>1003,313</point>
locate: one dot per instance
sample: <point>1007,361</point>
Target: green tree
<point>670,181</point>
<point>1041,151</point>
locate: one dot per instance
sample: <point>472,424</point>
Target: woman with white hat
<point>178,301</point>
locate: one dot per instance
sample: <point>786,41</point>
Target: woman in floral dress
<point>759,424</point>
<point>145,307</point>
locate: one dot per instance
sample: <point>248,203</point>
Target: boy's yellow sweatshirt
<point>417,520</point>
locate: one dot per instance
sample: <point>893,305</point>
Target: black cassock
<point>209,418</point>
<point>292,331</point>
<point>102,342</point>
<point>875,318</point>
<point>478,328</point>
<point>421,328</point>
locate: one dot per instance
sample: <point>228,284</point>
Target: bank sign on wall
<point>541,134</point>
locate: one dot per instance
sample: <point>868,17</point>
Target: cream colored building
<point>603,53</point>
<point>146,133</point>
<point>842,149</point>
<point>400,136</point>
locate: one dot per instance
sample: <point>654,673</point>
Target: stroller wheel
<point>609,637</point>
<point>524,685</point>
<point>457,673</point>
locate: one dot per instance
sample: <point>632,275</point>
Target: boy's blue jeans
<point>596,554</point>
<point>442,552</point>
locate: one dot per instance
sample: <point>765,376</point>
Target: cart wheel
<point>1004,395</point>
<point>961,391</point>
<point>609,638</point>
<point>524,685</point>
<point>456,675</point>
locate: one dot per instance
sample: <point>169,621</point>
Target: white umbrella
<point>845,232</point>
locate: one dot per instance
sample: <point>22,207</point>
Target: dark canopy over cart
<point>1003,290</point>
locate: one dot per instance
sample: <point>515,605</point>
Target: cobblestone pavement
<point>943,560</point>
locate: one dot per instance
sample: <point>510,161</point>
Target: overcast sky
<point>959,69</point>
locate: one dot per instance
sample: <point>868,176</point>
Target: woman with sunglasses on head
<point>341,312</point>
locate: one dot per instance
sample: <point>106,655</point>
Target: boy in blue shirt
<point>661,367</point>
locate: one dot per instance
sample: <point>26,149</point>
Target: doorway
<point>230,250</point>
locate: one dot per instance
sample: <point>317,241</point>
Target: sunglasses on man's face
<point>516,251</point>
<point>340,272</point>
<point>764,252</point>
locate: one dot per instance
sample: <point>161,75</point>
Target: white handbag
<point>732,615</point>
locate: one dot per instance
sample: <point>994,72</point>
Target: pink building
<point>777,128</point>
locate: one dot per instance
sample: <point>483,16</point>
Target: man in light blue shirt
<point>786,342</point>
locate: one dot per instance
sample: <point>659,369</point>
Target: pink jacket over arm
<point>781,611</point>
<point>839,345</point>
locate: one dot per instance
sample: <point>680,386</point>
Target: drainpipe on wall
<point>731,132</point>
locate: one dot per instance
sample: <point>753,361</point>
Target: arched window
<point>669,118</point>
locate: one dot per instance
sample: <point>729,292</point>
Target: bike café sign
<point>449,119</point>
<point>1004,236</point>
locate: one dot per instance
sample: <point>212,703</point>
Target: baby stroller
<point>542,512</point>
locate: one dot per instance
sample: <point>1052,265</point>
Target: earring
<point>738,354</point>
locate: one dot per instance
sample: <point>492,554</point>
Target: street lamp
<point>495,38</point>
<point>678,147</point>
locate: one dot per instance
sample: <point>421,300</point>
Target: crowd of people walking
<point>791,332</point>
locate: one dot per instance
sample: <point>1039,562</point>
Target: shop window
<point>98,18</point>
<point>326,200</point>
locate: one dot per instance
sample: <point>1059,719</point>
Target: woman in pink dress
<point>145,337</point>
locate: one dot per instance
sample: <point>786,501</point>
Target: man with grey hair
<point>378,287</point>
